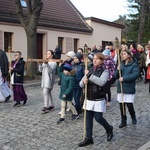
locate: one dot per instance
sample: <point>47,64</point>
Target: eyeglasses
<point>16,55</point>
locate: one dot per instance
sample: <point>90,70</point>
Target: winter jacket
<point>79,73</point>
<point>18,71</point>
<point>130,73</point>
<point>109,64</point>
<point>142,60</point>
<point>67,84</point>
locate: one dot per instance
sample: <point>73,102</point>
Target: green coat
<point>66,86</point>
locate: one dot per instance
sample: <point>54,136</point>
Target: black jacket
<point>94,91</point>
<point>18,71</point>
<point>4,63</point>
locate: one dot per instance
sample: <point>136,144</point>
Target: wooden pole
<point>43,60</point>
<point>119,62</point>
<point>85,54</point>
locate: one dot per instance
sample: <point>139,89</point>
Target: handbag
<point>148,73</point>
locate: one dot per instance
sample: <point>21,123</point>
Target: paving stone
<point>26,128</point>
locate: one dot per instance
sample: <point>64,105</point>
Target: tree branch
<point>20,13</point>
<point>29,8</point>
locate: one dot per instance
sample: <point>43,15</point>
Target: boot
<point>86,142</point>
<point>110,133</point>
<point>132,112</point>
<point>134,120</point>
<point>123,122</point>
<point>123,116</point>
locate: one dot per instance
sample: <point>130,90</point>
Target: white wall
<point>104,32</point>
<point>100,33</point>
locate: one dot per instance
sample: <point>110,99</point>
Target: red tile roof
<point>58,14</point>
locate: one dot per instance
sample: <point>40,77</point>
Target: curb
<point>38,83</point>
<point>145,146</point>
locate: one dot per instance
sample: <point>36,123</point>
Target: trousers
<point>63,106</point>
<point>89,122</point>
<point>48,99</point>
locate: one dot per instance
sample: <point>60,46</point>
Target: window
<point>7,41</point>
<point>23,3</point>
<point>76,45</point>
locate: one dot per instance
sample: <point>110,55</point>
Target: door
<point>39,46</point>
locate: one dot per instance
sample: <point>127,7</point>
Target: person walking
<point>129,73</point>
<point>95,78</point>
<point>77,91</point>
<point>66,90</point>
<point>17,78</point>
<point>109,64</point>
<point>48,69</point>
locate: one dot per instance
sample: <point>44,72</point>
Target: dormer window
<point>23,3</point>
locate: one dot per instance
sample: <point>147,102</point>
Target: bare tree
<point>29,20</point>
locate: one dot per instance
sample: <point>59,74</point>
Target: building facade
<point>59,23</point>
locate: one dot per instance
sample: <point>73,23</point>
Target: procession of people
<point>85,83</point>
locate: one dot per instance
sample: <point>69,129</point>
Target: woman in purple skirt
<point>17,78</point>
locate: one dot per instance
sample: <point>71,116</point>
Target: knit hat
<point>71,54</point>
<point>67,67</point>
<point>106,52</point>
<point>79,56</point>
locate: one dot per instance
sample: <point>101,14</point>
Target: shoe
<point>134,121</point>
<point>123,124</point>
<point>50,108</point>
<point>75,117</point>
<point>7,99</point>
<point>68,109</point>
<point>45,109</point>
<point>145,82</point>
<point>86,142</point>
<point>60,120</point>
<point>17,104</point>
<point>24,102</point>
<point>108,104</point>
<point>110,133</point>
<point>59,113</point>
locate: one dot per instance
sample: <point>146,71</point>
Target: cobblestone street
<point>26,128</point>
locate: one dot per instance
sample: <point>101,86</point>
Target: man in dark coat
<point>57,52</point>
<point>4,63</point>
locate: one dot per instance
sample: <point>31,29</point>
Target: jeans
<point>77,96</point>
<point>89,122</point>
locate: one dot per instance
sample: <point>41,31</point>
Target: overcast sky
<point>103,9</point>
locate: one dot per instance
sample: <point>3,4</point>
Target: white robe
<point>5,91</point>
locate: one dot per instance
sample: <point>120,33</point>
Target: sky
<point>103,9</point>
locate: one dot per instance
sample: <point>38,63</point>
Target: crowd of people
<point>103,68</point>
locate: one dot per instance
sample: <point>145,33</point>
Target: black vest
<point>94,91</point>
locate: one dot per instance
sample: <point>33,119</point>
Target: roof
<point>57,14</point>
<point>105,22</point>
